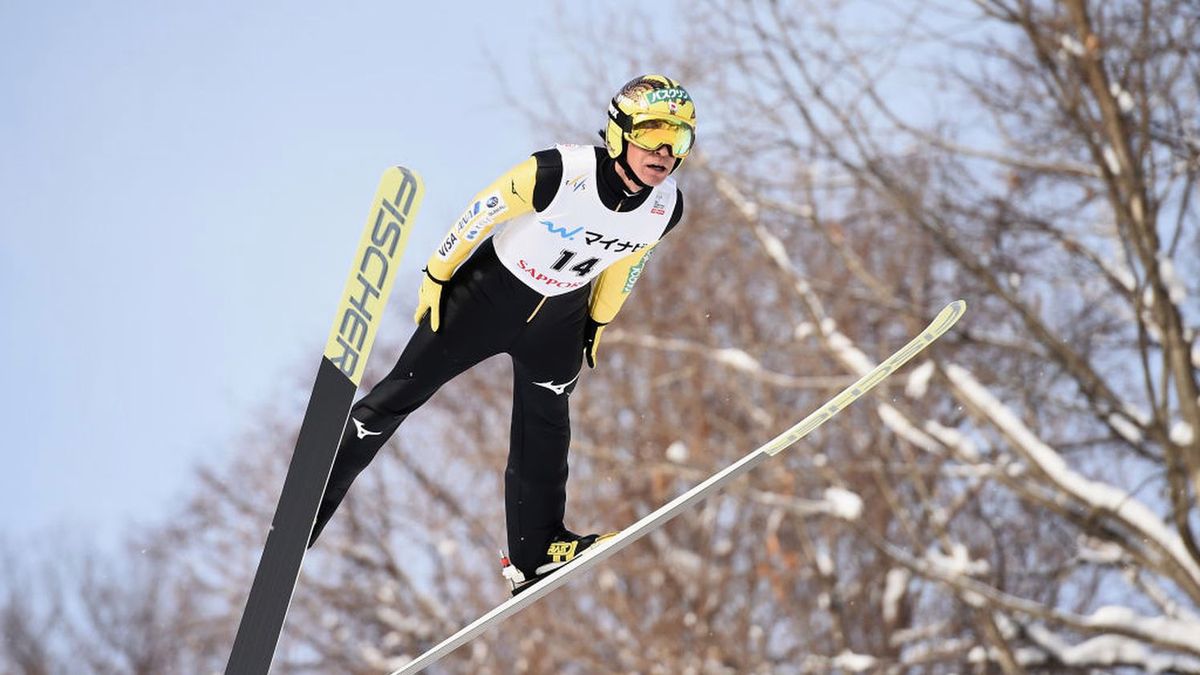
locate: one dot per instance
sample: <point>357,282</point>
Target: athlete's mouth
<point>659,168</point>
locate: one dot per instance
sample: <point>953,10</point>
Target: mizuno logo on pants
<point>557,388</point>
<point>363,432</point>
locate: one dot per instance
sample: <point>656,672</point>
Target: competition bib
<point>576,237</point>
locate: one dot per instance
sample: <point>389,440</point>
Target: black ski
<point>380,250</point>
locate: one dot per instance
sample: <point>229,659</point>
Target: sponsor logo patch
<point>371,278</point>
<point>546,279</point>
<point>447,245</point>
<point>673,94</point>
<point>635,272</point>
<point>659,208</point>
<point>561,231</point>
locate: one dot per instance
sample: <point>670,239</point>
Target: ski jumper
<point>552,243</point>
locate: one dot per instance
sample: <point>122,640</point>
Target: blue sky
<point>184,185</point>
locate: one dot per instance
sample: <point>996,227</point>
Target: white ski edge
<point>946,318</point>
<point>593,556</point>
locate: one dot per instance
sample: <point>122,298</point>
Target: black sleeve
<point>676,215</point>
<point>549,175</point>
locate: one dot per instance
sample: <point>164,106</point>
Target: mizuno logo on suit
<point>558,389</point>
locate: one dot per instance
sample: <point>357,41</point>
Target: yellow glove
<point>429,300</point>
<point>591,340</point>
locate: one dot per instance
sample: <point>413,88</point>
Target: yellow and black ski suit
<point>486,309</point>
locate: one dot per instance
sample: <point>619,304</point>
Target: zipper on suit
<point>536,309</point>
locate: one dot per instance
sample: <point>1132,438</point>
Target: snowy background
<point>184,186</point>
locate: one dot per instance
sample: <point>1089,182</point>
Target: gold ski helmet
<point>651,111</point>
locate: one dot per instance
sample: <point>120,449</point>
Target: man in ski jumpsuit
<point>539,263</point>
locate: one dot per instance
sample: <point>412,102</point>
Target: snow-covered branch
<point>1095,497</point>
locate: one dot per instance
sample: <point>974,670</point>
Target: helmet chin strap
<point>623,160</point>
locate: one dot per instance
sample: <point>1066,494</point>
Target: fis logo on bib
<point>577,183</point>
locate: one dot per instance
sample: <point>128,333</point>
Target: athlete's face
<point>652,167</point>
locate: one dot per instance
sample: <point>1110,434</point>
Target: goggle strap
<point>617,115</point>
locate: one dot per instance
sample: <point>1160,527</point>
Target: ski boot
<point>565,547</point>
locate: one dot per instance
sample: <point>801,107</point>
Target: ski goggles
<point>651,133</point>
